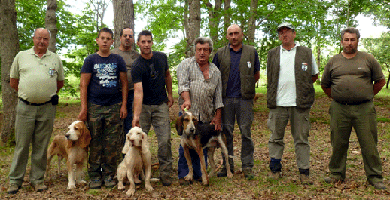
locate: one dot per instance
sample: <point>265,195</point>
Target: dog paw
<point>71,186</point>
<point>120,186</point>
<point>188,177</point>
<point>81,182</point>
<point>130,192</point>
<point>230,175</point>
<point>149,188</point>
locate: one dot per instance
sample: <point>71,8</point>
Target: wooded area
<point>318,24</point>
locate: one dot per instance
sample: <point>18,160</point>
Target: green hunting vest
<point>246,73</point>
<point>303,77</point>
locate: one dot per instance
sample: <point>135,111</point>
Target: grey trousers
<point>363,119</point>
<point>158,116</point>
<point>240,109</point>
<point>33,124</point>
<point>300,126</point>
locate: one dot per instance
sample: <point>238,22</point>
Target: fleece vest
<point>246,67</point>
<point>303,77</point>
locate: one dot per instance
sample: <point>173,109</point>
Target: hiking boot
<point>332,179</point>
<point>95,183</point>
<point>378,185</point>
<point>13,188</point>
<point>275,175</point>
<point>223,172</point>
<point>109,182</point>
<point>40,187</point>
<point>248,173</point>
<point>184,182</point>
<point>165,180</point>
<point>305,179</point>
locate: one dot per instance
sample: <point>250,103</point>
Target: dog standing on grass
<point>73,146</point>
<point>197,135</point>
<point>136,162</point>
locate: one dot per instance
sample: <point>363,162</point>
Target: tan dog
<point>136,162</point>
<point>73,146</point>
<point>197,135</point>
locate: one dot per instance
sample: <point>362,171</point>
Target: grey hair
<point>350,30</point>
<point>203,40</point>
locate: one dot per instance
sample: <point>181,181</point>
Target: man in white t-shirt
<point>291,72</point>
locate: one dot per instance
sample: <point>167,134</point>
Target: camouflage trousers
<point>106,129</point>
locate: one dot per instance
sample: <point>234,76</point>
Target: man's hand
<point>135,121</point>
<point>83,115</point>
<point>123,111</point>
<point>170,101</point>
<point>186,104</point>
<point>217,122</point>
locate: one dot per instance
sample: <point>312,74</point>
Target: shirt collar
<point>292,49</point>
<point>231,49</point>
<point>31,51</point>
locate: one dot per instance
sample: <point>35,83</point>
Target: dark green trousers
<point>362,118</point>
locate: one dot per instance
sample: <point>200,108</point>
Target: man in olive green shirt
<point>37,74</point>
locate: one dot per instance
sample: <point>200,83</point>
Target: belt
<point>353,103</point>
<point>34,104</point>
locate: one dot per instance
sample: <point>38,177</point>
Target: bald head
<point>235,36</point>
<point>41,40</point>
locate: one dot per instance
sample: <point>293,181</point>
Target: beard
<point>349,50</point>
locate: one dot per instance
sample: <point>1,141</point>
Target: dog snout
<point>192,130</point>
<point>67,136</point>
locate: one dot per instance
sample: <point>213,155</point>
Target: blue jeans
<point>128,120</point>
<point>182,167</point>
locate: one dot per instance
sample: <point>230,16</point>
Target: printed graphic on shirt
<point>106,74</point>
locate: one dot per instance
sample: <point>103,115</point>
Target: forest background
<point>175,24</point>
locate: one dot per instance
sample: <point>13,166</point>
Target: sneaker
<point>378,185</point>
<point>109,182</point>
<point>95,183</point>
<point>305,179</point>
<point>184,182</point>
<point>275,175</point>
<point>248,173</point>
<point>332,179</point>
<point>40,187</point>
<point>13,188</point>
<point>223,172</point>
<point>166,180</point>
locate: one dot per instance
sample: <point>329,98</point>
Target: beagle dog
<point>73,146</point>
<point>197,135</point>
<point>137,161</point>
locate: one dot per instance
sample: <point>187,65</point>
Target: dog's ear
<point>195,121</point>
<point>179,125</point>
<point>85,136</point>
<point>126,146</point>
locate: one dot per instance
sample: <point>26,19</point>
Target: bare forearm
<point>328,91</point>
<point>14,83</point>
<point>378,85</point>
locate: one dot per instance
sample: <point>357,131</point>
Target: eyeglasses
<point>153,73</point>
<point>125,36</point>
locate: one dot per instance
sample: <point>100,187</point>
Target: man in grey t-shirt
<point>129,55</point>
<point>351,79</point>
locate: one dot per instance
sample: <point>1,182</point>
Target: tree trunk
<point>252,22</point>
<point>214,18</point>
<point>9,42</point>
<point>51,23</point>
<point>193,29</point>
<point>226,16</point>
<point>123,18</point>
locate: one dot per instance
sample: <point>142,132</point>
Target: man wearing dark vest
<point>240,70</point>
<point>291,72</point>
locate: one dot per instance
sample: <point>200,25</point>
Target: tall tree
<point>51,23</point>
<point>9,43</point>
<point>123,17</point>
<point>193,29</point>
<point>99,8</point>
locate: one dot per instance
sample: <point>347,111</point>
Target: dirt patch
<point>237,188</point>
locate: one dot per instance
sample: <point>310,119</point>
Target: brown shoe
<point>13,188</point>
<point>305,179</point>
<point>40,187</point>
<point>184,182</point>
<point>275,175</point>
<point>378,185</point>
<point>248,173</point>
<point>332,179</point>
